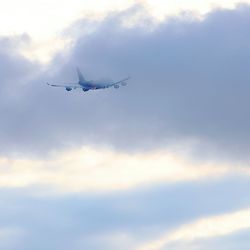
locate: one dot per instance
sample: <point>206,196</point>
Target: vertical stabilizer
<point>80,76</point>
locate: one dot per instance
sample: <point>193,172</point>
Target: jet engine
<point>83,89</point>
<point>124,84</point>
<point>68,88</point>
<point>116,86</point>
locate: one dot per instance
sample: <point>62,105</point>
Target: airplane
<point>90,85</point>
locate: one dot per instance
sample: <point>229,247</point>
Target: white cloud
<point>44,20</point>
<point>214,226</point>
<point>89,169</point>
<point>161,8</point>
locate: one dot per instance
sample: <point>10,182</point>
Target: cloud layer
<point>190,84</point>
<point>129,219</point>
<point>188,94</point>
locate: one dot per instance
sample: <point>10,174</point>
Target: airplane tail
<point>80,76</point>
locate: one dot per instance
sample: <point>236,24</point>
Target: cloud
<point>11,237</point>
<point>190,85</point>
<point>238,239</point>
<point>102,170</point>
<point>131,217</point>
<point>205,228</point>
<point>188,96</point>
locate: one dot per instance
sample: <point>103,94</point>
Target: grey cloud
<point>190,81</point>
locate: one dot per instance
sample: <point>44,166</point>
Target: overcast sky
<point>162,163</point>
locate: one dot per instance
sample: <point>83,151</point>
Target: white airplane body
<point>90,85</point>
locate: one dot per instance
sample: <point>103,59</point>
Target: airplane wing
<point>120,82</point>
<point>64,86</point>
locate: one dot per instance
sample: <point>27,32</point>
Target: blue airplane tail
<point>80,76</point>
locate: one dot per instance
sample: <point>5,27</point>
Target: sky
<point>162,163</point>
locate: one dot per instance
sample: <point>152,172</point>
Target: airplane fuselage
<point>91,85</point>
